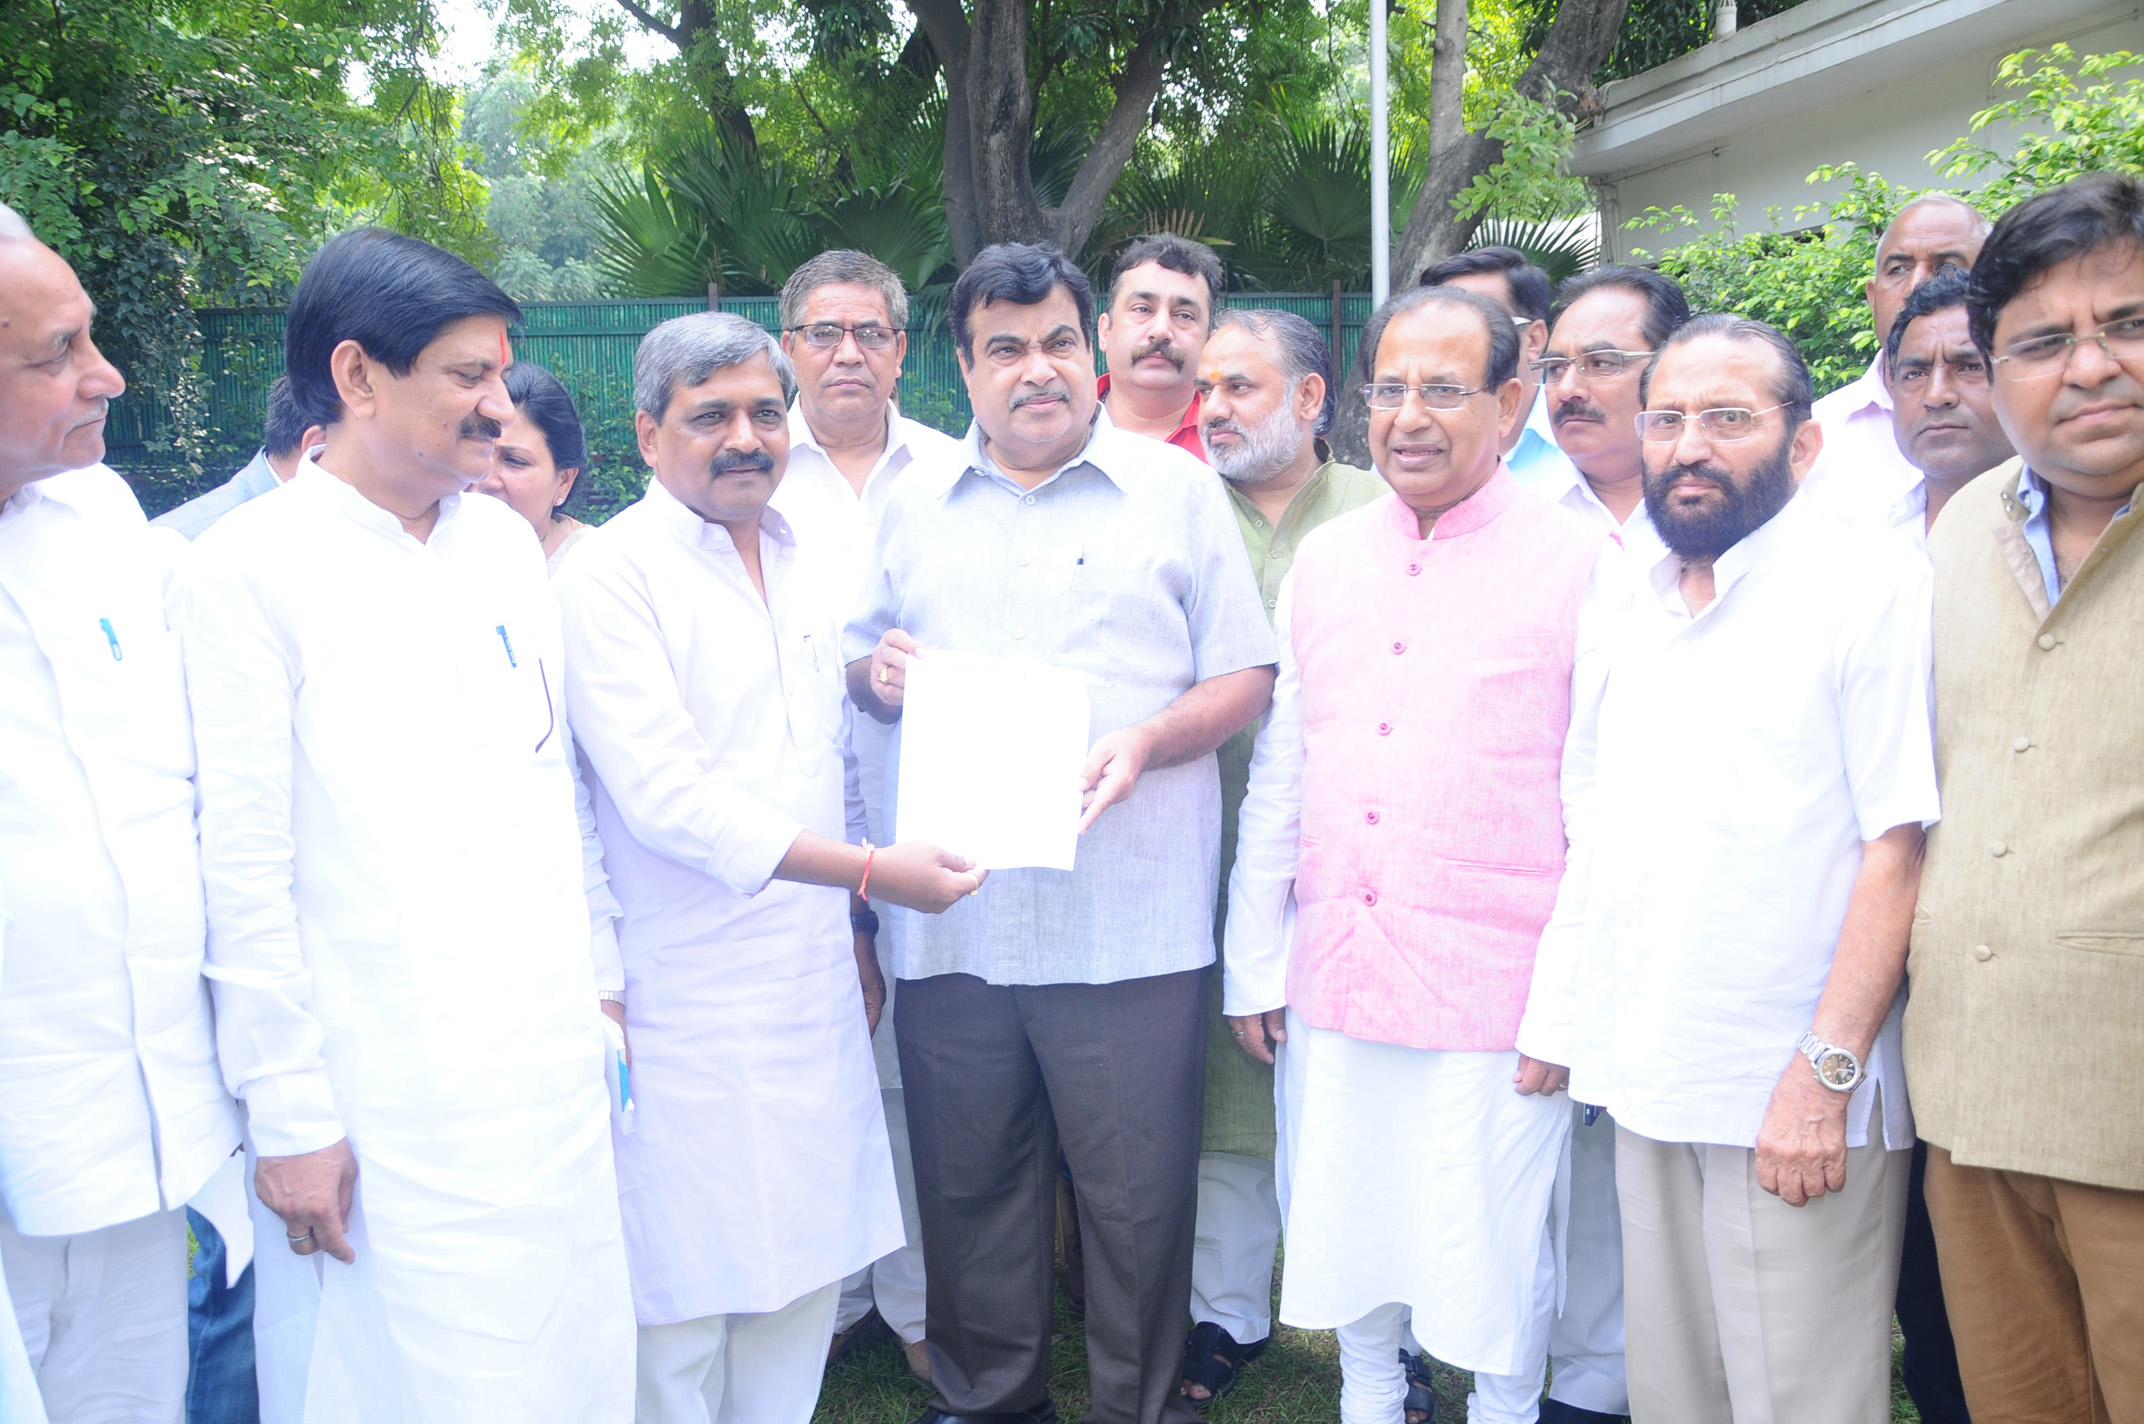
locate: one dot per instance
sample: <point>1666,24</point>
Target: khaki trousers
<point>1740,1309</point>
<point>2044,1280</point>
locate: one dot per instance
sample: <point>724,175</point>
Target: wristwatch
<point>1836,1068</point>
<point>864,921</point>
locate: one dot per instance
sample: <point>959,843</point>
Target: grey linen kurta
<point>1125,566</point>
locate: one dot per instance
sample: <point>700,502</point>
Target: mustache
<point>1710,473</point>
<point>1226,427</point>
<point>1053,391</point>
<point>480,427</point>
<point>1161,346</point>
<point>737,462</point>
<point>1578,407</point>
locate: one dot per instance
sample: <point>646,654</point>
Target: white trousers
<point>103,1318</point>
<point>737,1369</point>
<point>1373,1385</point>
<point>1585,1344</point>
<point>1232,1251</point>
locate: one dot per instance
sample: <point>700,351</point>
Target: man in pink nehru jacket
<point>1399,853</point>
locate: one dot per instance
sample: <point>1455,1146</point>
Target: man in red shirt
<point>1162,296</point>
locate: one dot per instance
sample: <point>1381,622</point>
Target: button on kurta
<point>1399,647</point>
<point>1413,569</point>
<point>2047,642</point>
<point>1982,953</point>
<point>1371,817</point>
<point>1998,849</point>
<point>1384,729</point>
<point>1369,897</point>
<point>1027,499</point>
<point>2021,744</point>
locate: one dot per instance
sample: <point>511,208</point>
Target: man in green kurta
<point>1266,396</point>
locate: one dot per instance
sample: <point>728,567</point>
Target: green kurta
<point>1239,1089</point>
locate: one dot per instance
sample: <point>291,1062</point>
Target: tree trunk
<point>990,122</point>
<point>695,19</point>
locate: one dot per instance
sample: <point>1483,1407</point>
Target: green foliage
<point>1807,282</point>
<point>2081,121</point>
<point>1561,249</point>
<point>1529,182</point>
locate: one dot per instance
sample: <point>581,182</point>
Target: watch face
<point>1837,1069</point>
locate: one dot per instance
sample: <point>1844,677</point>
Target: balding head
<point>54,383</point>
<point>1932,232</point>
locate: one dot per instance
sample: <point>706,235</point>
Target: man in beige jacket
<point>2027,967</point>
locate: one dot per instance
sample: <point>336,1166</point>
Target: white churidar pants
<point>1373,1385</point>
<point>893,1283</point>
<point>1585,1345</point>
<point>737,1369</point>
<point>103,1318</point>
<point>1232,1252</point>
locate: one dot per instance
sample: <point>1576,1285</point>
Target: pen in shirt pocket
<point>508,644</point>
<point>111,639</point>
<point>813,649</point>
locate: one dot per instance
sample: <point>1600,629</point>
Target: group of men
<point>1677,901</point>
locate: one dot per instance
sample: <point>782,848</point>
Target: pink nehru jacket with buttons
<point>1436,689</point>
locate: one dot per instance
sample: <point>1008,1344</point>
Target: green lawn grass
<point>1296,1381</point>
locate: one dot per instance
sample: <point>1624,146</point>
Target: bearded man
<point>1746,782</point>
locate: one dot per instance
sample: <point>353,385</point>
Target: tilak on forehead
<point>506,357</point>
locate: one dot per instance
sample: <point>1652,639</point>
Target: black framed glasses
<point>827,334</point>
<point>1391,395</point>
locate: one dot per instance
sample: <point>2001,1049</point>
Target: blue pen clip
<point>1592,1112</point>
<point>508,644</point>
<point>111,639</point>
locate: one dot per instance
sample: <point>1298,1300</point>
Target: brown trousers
<point>2044,1280</point>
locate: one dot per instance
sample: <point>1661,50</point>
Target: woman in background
<point>537,460</point>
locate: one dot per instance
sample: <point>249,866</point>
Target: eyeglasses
<point>2038,357</point>
<point>1726,424</point>
<point>1964,370</point>
<point>1598,364</point>
<point>826,334</point>
<point>1391,395</point>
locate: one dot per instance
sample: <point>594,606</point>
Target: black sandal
<point>1421,1390</point>
<point>1213,1361</point>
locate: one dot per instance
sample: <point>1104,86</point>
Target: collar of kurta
<point>353,505</point>
<point>802,436</point>
<point>1870,389</point>
<point>1472,513</point>
<point>687,525</point>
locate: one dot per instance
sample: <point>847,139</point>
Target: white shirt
<point>1571,489</point>
<point>1860,470</point>
<point>400,942</point>
<point>1721,775</point>
<point>714,719</point>
<point>110,1103</point>
<point>835,526</point>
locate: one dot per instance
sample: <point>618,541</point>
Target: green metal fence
<point>589,346</point>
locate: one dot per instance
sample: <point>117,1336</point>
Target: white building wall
<point>1889,127</point>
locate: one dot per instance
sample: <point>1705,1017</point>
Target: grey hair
<point>686,350</point>
<point>13,228</point>
<point>844,264</point>
<point>1297,348</point>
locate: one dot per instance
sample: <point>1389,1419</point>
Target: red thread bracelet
<point>863,891</point>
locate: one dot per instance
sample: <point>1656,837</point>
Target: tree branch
<point>671,33</point>
<point>1137,85</point>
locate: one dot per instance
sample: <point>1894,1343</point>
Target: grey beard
<point>1267,449</point>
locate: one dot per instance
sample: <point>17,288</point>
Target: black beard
<point>1749,504</point>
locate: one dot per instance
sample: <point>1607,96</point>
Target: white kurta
<point>110,1104</point>
<point>759,1170</point>
<point>399,946</point>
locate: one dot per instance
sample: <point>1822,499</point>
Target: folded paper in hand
<point>991,753</point>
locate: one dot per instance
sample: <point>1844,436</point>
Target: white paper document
<point>991,751</point>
